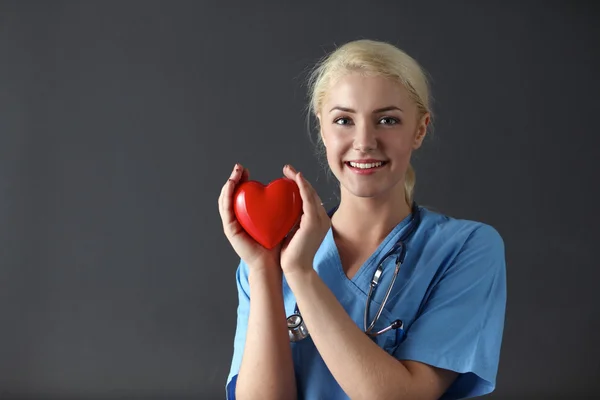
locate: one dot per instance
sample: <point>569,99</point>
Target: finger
<point>237,173</point>
<point>245,175</point>
<point>317,198</point>
<point>312,191</point>
<point>224,189</point>
<point>231,225</point>
<point>289,172</point>
<point>227,213</point>
<point>319,206</point>
<point>242,175</point>
<point>294,230</point>
<point>290,235</point>
<point>309,206</point>
<point>224,202</point>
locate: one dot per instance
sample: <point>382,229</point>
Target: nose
<point>365,138</point>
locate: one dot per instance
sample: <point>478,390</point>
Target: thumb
<point>290,235</point>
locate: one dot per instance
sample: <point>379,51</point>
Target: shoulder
<point>463,231</point>
<point>462,240</point>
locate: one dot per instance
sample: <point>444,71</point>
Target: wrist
<point>298,274</point>
<point>265,271</point>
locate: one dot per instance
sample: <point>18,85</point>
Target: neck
<point>369,219</point>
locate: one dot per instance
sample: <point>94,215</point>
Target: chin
<point>373,189</point>
<point>366,191</point>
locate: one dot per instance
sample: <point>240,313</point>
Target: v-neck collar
<point>362,277</point>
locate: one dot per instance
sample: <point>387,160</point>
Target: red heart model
<point>269,212</point>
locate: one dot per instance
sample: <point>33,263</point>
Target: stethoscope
<point>297,329</point>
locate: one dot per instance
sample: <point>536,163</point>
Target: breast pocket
<point>390,340</point>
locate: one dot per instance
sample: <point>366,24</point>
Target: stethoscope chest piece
<point>296,328</point>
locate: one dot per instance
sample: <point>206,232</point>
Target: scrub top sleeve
<point>461,325</point>
<point>243,289</point>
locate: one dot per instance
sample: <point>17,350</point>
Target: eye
<point>337,121</point>
<point>392,121</point>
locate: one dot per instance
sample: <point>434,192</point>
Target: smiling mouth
<point>366,166</point>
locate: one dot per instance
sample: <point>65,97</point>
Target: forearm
<point>266,370</point>
<point>360,366</point>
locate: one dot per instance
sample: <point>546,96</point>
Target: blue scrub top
<point>450,293</point>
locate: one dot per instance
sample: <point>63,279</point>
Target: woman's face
<point>369,128</point>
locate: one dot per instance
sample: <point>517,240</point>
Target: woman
<point>371,102</point>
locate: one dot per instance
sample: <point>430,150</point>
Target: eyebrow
<point>388,108</point>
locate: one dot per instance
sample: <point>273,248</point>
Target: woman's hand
<point>248,249</point>
<point>300,246</point>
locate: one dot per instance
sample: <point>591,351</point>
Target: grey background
<point>120,122</point>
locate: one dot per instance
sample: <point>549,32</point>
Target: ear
<point>421,131</point>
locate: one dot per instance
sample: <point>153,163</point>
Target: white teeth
<point>365,166</point>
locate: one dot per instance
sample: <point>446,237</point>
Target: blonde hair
<point>372,58</point>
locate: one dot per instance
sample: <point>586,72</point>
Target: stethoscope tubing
<point>296,328</point>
